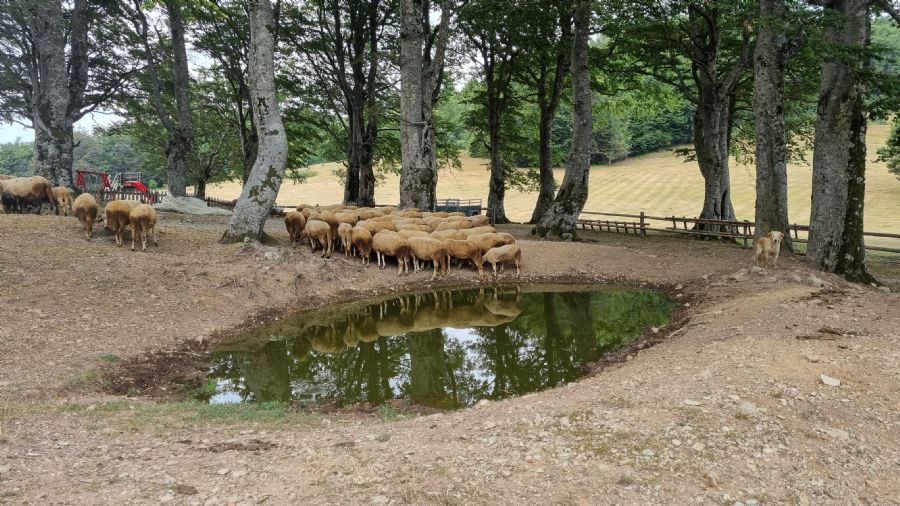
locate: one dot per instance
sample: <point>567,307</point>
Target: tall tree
<point>44,81</point>
<point>839,159</point>
<point>220,30</point>
<point>560,219</point>
<point>341,71</point>
<point>547,74</point>
<point>422,52</point>
<point>491,28</point>
<point>258,196</point>
<point>702,49</point>
<point>773,48</point>
<point>178,123</point>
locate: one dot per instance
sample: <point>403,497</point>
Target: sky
<point>9,132</point>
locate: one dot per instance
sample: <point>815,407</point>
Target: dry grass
<point>658,183</point>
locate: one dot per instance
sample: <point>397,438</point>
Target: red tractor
<point>93,181</point>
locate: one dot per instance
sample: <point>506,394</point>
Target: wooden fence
<point>151,197</point>
<point>739,231</point>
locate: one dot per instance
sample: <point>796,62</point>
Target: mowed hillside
<point>658,184</point>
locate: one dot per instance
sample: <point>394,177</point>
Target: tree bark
<point>563,214</point>
<point>50,97</point>
<point>419,87</point>
<point>770,58</point>
<point>712,122</point>
<point>497,185</point>
<point>258,196</point>
<point>181,137</point>
<point>839,157</point>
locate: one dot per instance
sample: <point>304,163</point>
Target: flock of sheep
<point>410,236</point>
<point>22,193</point>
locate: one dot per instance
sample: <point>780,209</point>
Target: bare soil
<point>729,407</point>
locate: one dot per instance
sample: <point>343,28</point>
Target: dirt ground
<point>730,408</point>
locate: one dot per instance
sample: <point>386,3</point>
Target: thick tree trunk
<point>200,189</point>
<point>545,164</point>
<point>770,59</point>
<point>258,195</point>
<point>839,157</point>
<point>427,367</point>
<point>50,99</point>
<point>180,143</point>
<point>367,167</point>
<point>419,83</point>
<point>712,121</point>
<point>497,186</point>
<point>563,214</point>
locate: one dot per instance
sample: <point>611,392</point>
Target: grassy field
<point>658,183</point>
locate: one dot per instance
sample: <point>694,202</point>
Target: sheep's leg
<point>143,239</point>
<point>495,272</point>
<point>155,240</point>
<point>434,273</point>
<point>518,271</point>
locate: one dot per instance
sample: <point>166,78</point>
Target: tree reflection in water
<point>444,349</point>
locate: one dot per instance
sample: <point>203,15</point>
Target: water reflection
<point>446,349</point>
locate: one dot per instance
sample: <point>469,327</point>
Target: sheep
<point>504,254</point>
<point>478,230</point>
<point>85,209</point>
<point>420,228</point>
<point>20,192</point>
<point>392,244</point>
<point>294,221</point>
<point>117,217</point>
<point>464,250</point>
<point>345,233</point>
<point>491,240</point>
<point>318,230</point>
<point>143,220</point>
<point>454,225</point>
<point>362,241</point>
<point>443,235</point>
<point>406,234</point>
<point>347,217</point>
<point>63,200</point>
<point>426,248</point>
<point>479,220</point>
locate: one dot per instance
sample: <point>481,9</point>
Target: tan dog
<point>768,246</point>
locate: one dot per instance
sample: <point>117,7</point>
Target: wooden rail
<point>151,197</point>
<point>742,231</point>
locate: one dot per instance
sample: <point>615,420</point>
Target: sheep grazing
<point>491,240</point>
<point>18,193</point>
<point>406,234</point>
<point>387,243</point>
<point>294,221</point>
<point>117,217</point>
<point>504,254</point>
<point>464,250</point>
<point>454,224</point>
<point>320,231</point>
<point>444,235</point>
<point>478,230</point>
<point>63,200</point>
<point>345,233</point>
<point>428,249</point>
<point>85,209</point>
<point>362,241</point>
<point>479,220</point>
<point>143,220</point>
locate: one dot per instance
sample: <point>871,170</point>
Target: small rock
<point>655,330</point>
<point>676,442</point>
<point>840,435</point>
<point>747,409</point>
<point>828,380</point>
<point>698,447</point>
<point>185,489</point>
<point>222,472</point>
<point>380,499</point>
<point>564,421</point>
<point>815,281</point>
<point>4,469</point>
<point>482,402</point>
<point>814,359</point>
<point>757,270</point>
<point>885,289</point>
<point>739,275</point>
<point>691,402</point>
<point>648,452</point>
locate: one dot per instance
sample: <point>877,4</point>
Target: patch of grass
<point>112,359</point>
<point>741,414</point>
<point>85,380</point>
<point>626,480</point>
<point>204,391</point>
<point>387,413</point>
<point>383,438</point>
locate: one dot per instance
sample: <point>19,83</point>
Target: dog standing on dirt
<point>768,246</point>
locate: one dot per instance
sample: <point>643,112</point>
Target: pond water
<point>443,349</point>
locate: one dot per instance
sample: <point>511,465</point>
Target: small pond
<point>443,349</point>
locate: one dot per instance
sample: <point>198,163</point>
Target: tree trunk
<point>563,214</point>
<point>839,157</point>
<point>497,186</point>
<point>258,196</point>
<point>712,121</point>
<point>427,369</point>
<point>180,143</point>
<point>419,83</point>
<point>200,188</point>
<point>50,100</point>
<point>770,59</point>
<point>367,167</point>
<point>545,161</point>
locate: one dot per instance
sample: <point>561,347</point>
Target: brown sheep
<point>454,224</point>
<point>428,249</point>
<point>387,243</point>
<point>294,221</point>
<point>479,220</point>
<point>18,193</point>
<point>320,231</point>
<point>412,233</point>
<point>143,220</point>
<point>362,241</point>
<point>6,176</point>
<point>464,250</point>
<point>478,230</point>
<point>345,233</point>
<point>504,254</point>
<point>117,219</point>
<point>420,228</point>
<point>85,209</point>
<point>488,241</point>
<point>63,200</point>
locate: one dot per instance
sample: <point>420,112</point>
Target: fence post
<point>643,226</point>
<point>746,232</point>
